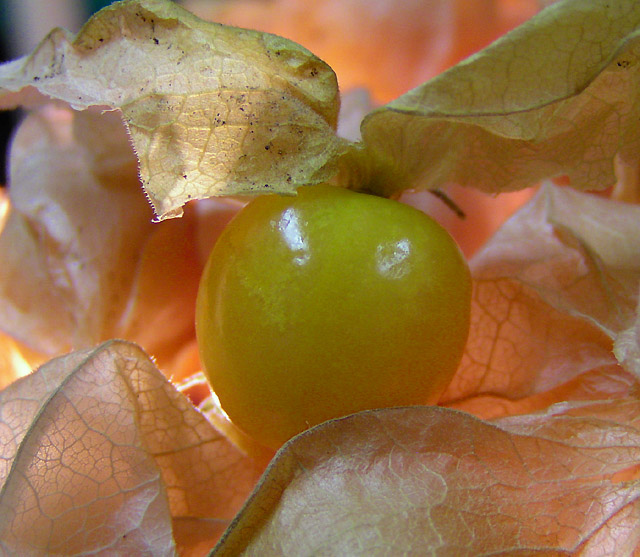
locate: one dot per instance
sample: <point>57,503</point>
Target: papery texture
<point>72,235</point>
<point>81,260</point>
<point>627,346</point>
<point>553,289</point>
<point>421,37</point>
<point>578,251</point>
<point>97,445</point>
<point>432,480</point>
<point>100,453</point>
<point>212,110</point>
<point>556,96</point>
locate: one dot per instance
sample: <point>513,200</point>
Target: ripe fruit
<point>320,305</point>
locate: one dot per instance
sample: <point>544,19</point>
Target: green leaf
<point>557,96</point>
<point>211,109</point>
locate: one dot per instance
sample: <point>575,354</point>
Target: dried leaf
<point>212,110</point>
<point>100,453</point>
<point>73,233</point>
<point>555,291</point>
<point>421,37</point>
<point>557,96</point>
<point>431,480</point>
<point>627,346</point>
<point>81,260</point>
<point>552,290</point>
<point>578,251</point>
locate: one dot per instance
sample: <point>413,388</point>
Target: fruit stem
<point>448,202</point>
<point>360,171</point>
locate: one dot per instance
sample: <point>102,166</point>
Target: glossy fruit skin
<point>327,303</point>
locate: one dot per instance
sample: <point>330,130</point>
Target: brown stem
<point>448,202</point>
